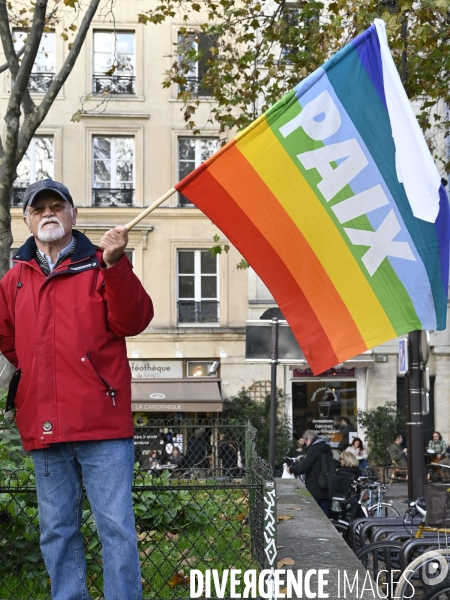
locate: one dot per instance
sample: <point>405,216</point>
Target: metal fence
<point>215,515</point>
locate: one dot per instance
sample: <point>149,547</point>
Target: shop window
<point>199,368</point>
<point>319,405</point>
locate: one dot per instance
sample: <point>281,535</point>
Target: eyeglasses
<point>55,207</point>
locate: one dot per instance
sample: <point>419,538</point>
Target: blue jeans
<point>106,468</point>
<point>324,504</point>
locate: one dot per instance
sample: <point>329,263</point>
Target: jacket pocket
<point>12,391</point>
<point>110,390</point>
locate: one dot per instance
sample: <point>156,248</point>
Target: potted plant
<point>380,424</point>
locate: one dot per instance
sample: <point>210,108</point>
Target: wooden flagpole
<point>148,210</point>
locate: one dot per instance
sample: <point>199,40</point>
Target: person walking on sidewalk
<point>65,310</point>
<point>311,467</point>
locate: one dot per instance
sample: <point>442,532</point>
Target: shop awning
<point>176,396</point>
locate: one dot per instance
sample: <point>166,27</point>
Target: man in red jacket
<point>65,310</point>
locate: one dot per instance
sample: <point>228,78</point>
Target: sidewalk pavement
<point>396,493</point>
<point>311,541</point>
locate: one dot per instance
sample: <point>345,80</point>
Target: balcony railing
<point>17,196</point>
<point>206,311</point>
<point>39,83</point>
<point>114,84</point>
<point>112,197</point>
<point>196,86</point>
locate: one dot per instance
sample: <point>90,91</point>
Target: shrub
<point>381,424</point>
<point>242,407</point>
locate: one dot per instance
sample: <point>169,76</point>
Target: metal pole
<point>414,424</point>
<point>413,389</point>
<point>273,392</point>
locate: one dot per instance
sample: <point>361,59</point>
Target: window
<point>113,168</point>
<point>192,152</point>
<point>130,255</point>
<point>37,164</point>
<point>198,291</point>
<point>43,71</point>
<point>114,69</point>
<point>202,368</point>
<point>12,252</point>
<point>294,18</point>
<point>192,46</point>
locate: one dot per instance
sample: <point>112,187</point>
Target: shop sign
<point>326,426</point>
<point>159,407</point>
<point>150,440</point>
<point>156,369</point>
<point>341,372</point>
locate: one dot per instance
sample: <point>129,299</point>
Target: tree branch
<point>69,63</point>
<point>23,74</point>
<point>12,61</point>
<point>5,66</point>
<point>33,120</point>
<point>19,89</point>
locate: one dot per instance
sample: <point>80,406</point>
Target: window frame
<point>113,56</point>
<point>32,150</point>
<point>34,69</point>
<point>197,161</point>
<point>197,286</point>
<point>113,165</point>
<point>200,67</point>
<point>20,185</point>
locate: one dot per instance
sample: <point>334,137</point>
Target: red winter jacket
<point>66,332</point>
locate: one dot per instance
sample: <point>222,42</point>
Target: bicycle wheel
<point>381,559</point>
<point>383,510</point>
<point>424,574</point>
<point>440,591</point>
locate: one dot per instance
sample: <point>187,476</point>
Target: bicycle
<point>357,502</point>
<point>380,508</point>
<point>424,572</point>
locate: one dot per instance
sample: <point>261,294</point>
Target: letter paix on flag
<point>333,198</point>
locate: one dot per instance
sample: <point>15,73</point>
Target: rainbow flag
<point>333,198</point>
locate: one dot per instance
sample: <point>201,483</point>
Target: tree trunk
<point>19,134</point>
<point>6,238</point>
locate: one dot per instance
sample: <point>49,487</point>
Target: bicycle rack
<point>410,546</point>
<point>377,522</point>
<point>356,526</point>
<point>393,530</point>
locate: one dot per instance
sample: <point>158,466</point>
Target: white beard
<point>50,235</point>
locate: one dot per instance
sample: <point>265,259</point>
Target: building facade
<point>129,146</point>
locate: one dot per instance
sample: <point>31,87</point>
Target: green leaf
<point>242,264</point>
<point>76,117</point>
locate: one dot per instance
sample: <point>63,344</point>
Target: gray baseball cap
<point>42,186</point>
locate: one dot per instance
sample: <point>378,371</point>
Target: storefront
<point>164,393</point>
<point>319,403</point>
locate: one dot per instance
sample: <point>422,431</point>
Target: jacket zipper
<point>111,391</point>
